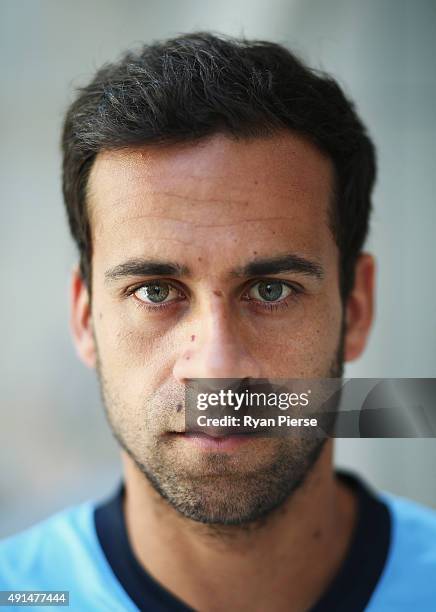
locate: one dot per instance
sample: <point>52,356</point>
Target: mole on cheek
<point>192,337</point>
<point>179,407</point>
<point>187,357</point>
<point>217,293</point>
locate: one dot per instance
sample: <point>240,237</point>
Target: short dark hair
<point>195,85</point>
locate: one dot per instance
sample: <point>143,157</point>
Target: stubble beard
<point>219,495</point>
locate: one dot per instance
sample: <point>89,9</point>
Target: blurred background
<point>56,448</point>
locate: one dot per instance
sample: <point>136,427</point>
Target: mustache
<point>169,404</point>
<point>165,411</point>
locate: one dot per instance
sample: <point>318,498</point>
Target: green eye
<point>154,292</point>
<point>270,291</point>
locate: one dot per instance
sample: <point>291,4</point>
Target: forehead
<point>218,190</point>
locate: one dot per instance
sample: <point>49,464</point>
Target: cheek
<point>306,347</point>
<point>135,355</point>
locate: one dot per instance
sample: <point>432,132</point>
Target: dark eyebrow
<point>285,263</point>
<point>259,267</point>
<point>143,267</point>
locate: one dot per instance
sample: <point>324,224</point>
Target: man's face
<point>207,213</point>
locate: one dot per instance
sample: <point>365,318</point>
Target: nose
<point>215,349</point>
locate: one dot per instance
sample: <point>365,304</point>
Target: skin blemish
<point>187,357</point>
<point>192,337</point>
<point>317,534</point>
<point>218,293</point>
<point>254,252</point>
<point>200,259</point>
<point>179,407</point>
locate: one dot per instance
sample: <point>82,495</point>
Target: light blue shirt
<point>63,553</point>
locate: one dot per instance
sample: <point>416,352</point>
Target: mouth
<point>207,442</point>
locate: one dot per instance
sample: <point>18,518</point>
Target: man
<point>219,194</point>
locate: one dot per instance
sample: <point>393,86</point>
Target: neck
<point>284,562</point>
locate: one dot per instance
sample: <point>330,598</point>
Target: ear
<point>81,320</point>
<point>359,310</point>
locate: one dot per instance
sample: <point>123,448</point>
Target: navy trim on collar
<point>350,590</point>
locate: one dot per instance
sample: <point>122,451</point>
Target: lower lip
<point>216,443</point>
